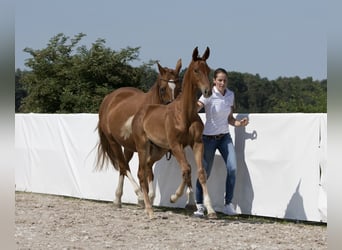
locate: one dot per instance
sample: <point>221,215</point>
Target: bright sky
<point>266,37</point>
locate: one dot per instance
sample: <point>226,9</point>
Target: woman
<point>219,114</point>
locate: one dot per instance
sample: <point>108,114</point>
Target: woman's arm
<point>232,121</point>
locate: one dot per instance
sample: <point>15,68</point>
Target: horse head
<point>200,71</point>
<point>169,83</point>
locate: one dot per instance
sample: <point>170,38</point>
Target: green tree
<point>283,95</point>
<point>147,75</point>
<point>70,79</point>
<point>20,91</point>
<point>66,77</point>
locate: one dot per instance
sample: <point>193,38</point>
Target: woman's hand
<point>243,122</point>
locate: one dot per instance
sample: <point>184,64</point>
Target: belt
<point>215,137</point>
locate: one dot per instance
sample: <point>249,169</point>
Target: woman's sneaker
<point>229,209</point>
<point>200,210</point>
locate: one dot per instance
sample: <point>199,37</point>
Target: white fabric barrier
<point>282,164</point>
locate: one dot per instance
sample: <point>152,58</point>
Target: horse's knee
<point>187,176</point>
<point>141,174</point>
<point>150,176</point>
<point>202,176</point>
<point>118,192</point>
<point>187,172</point>
<point>141,177</point>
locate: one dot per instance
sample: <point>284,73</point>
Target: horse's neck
<point>152,96</point>
<point>188,99</point>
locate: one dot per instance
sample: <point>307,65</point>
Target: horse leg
<point>119,191</point>
<point>179,192</point>
<point>144,149</point>
<point>118,160</point>
<point>137,189</point>
<point>150,177</point>
<point>142,170</point>
<point>202,177</point>
<point>155,155</point>
<point>179,154</point>
<point>190,202</point>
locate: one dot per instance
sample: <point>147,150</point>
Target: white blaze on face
<point>172,86</point>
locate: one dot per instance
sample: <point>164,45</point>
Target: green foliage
<point>20,91</point>
<point>66,77</point>
<point>283,95</point>
<point>69,79</point>
<point>147,76</point>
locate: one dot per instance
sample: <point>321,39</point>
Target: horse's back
<point>117,111</point>
<point>117,96</point>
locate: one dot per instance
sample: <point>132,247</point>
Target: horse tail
<point>104,151</point>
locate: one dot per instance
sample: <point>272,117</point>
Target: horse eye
<point>162,90</point>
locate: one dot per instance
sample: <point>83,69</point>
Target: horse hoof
<point>117,205</point>
<point>149,212</point>
<point>212,216</point>
<point>141,203</point>
<point>191,207</point>
<point>173,198</point>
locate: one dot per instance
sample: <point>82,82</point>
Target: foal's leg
<point>196,130</point>
<point>137,189</point>
<point>202,177</point>
<point>149,179</point>
<point>190,202</point>
<point>143,168</point>
<point>179,154</point>
<point>156,154</point>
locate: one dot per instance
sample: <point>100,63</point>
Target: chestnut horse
<point>114,126</point>
<point>159,128</point>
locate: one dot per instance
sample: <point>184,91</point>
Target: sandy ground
<point>56,222</point>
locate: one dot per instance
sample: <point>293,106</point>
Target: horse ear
<point>160,68</point>
<point>206,54</point>
<point>179,65</point>
<point>195,54</point>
